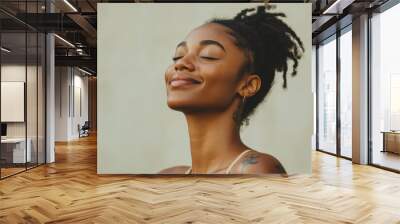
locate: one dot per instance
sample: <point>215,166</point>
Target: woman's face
<point>204,76</point>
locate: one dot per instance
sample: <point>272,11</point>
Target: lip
<point>181,79</point>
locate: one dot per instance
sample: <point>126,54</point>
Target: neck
<point>214,141</point>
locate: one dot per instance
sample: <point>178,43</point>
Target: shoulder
<point>175,170</point>
<point>259,163</point>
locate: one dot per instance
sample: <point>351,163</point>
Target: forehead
<point>211,31</point>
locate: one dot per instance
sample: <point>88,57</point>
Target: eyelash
<point>176,58</point>
<point>208,58</point>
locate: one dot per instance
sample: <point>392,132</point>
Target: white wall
<point>69,82</point>
<point>138,133</point>
<point>79,117</point>
<point>61,103</point>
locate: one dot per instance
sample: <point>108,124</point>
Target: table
<point>15,148</point>
<point>391,141</point>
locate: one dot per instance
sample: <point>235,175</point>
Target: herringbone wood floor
<point>70,191</point>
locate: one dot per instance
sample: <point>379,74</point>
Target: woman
<point>221,72</point>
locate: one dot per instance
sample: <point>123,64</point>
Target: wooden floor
<point>5,172</point>
<point>8,171</point>
<point>70,191</point>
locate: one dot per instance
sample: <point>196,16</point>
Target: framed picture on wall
<point>12,101</point>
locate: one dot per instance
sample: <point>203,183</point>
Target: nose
<point>184,63</point>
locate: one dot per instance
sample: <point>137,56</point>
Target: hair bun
<point>270,44</point>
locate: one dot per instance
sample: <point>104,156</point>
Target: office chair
<point>84,130</point>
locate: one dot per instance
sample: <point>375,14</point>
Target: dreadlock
<point>269,43</point>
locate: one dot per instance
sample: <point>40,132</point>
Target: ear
<point>249,85</point>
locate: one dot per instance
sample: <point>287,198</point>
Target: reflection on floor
<point>387,159</point>
<point>346,152</point>
<point>10,169</point>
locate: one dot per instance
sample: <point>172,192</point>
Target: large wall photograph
<point>204,88</point>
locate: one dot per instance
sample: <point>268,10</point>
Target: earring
<point>237,116</point>
<point>246,120</point>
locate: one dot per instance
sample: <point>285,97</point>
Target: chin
<point>178,105</point>
<point>184,106</point>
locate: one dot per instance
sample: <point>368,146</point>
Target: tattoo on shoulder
<point>249,160</point>
<point>254,159</point>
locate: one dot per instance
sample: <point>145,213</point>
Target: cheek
<point>216,93</point>
<point>220,87</point>
<point>222,81</point>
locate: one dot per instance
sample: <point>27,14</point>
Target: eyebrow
<point>204,43</point>
<point>183,44</point>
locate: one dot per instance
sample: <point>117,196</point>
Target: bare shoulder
<point>175,170</point>
<point>259,163</point>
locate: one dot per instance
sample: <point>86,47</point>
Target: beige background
<point>139,134</point>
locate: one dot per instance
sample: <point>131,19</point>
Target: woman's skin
<point>204,83</point>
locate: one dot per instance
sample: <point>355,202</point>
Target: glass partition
<point>41,96</point>
<point>346,93</point>
<point>22,88</point>
<point>327,95</point>
<point>32,95</point>
<point>385,89</point>
<point>14,154</point>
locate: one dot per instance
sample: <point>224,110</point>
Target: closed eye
<point>209,58</point>
<point>176,58</point>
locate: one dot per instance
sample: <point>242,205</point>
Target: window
<point>327,95</point>
<point>385,89</point>
<point>346,93</point>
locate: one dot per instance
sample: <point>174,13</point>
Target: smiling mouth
<point>183,82</point>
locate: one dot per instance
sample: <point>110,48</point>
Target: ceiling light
<point>326,11</point>
<point>70,5</point>
<point>5,49</point>
<point>64,40</point>
<point>84,71</point>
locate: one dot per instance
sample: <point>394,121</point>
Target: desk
<point>15,148</point>
<point>391,141</point>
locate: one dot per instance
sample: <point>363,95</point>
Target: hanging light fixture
<point>70,5</point>
<point>5,50</point>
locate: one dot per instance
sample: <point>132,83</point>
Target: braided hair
<point>268,43</point>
